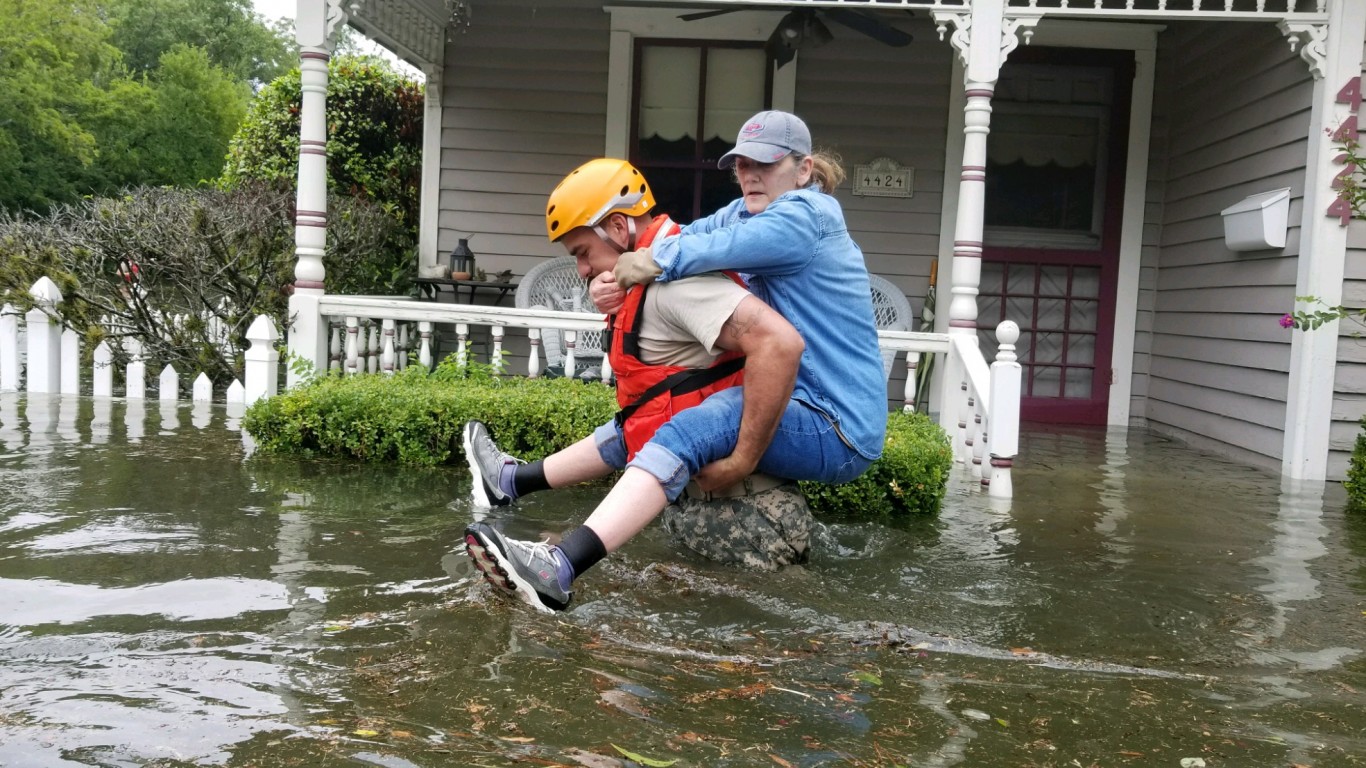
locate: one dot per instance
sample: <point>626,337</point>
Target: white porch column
<point>430,202</point>
<point>1334,54</point>
<point>979,42</point>
<point>315,24</point>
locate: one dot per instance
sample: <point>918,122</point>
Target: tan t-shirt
<point>682,319</point>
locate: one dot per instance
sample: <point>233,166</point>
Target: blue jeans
<point>806,446</point>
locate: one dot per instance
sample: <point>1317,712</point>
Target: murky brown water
<point>164,603</point>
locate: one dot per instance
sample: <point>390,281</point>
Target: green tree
<point>80,117</point>
<point>374,155</point>
<point>374,142</point>
<point>229,31</point>
<point>170,127</point>
<point>52,55</point>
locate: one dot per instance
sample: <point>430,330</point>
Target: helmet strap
<point>630,235</point>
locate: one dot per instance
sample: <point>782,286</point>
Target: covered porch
<point>518,93</point>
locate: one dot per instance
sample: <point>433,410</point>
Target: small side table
<point>429,288</point>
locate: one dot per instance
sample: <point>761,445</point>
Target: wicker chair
<point>555,284</point>
<point>891,312</point>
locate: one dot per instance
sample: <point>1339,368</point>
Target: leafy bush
<point>206,253</point>
<point>1356,474</point>
<point>374,137</point>
<point>909,479</point>
<point>415,418</point>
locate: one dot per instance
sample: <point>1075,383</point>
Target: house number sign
<point>1347,133</point>
<point>883,178</point>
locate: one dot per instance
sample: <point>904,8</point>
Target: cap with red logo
<point>769,137</point>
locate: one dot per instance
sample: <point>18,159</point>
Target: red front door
<point>1055,194</point>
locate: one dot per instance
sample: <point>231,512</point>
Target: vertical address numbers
<point>1346,133</point>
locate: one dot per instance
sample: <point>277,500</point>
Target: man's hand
<point>723,473</point>
<point>636,268</point>
<point>606,295</point>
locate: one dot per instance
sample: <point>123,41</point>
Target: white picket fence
<point>50,358</point>
<point>980,402</point>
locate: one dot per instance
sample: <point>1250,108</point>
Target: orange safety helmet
<point>592,191</point>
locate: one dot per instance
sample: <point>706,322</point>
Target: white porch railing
<point>980,412</point>
<point>347,313</point>
<point>987,397</point>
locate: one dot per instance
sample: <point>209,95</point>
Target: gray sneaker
<point>528,571</point>
<point>487,467</point>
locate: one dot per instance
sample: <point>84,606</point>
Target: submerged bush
<point>415,418</point>
<point>1356,474</point>
<point>909,479</point>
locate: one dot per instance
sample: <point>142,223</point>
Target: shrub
<point>1356,474</point>
<point>374,138</point>
<point>415,419</point>
<point>202,254</point>
<point>909,479</point>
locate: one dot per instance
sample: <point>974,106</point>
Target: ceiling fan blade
<point>706,14</point>
<point>869,26</point>
<point>782,44</point>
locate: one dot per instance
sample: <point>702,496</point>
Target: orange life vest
<point>650,395</point>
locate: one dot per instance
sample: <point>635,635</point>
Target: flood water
<point>165,601</point>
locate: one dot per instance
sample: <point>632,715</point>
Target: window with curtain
<point>689,101</point>
<point>1046,156</point>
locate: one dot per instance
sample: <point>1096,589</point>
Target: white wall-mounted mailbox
<point>1257,222</point>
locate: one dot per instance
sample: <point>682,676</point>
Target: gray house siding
<point>1349,381</point>
<point>1233,106</point>
<point>1349,385</point>
<point>863,101</point>
<point>523,100</point>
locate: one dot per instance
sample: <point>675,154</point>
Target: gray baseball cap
<point>769,137</point>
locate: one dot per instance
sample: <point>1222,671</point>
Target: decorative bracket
<point>1013,29</point>
<point>1010,26</point>
<point>962,24</point>
<point>1311,40</point>
<point>336,17</point>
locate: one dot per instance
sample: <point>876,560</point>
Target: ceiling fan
<point>802,28</point>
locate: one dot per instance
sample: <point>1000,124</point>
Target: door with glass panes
<point>688,102</point>
<point>1054,199</point>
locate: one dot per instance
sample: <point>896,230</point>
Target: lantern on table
<point>462,260</point>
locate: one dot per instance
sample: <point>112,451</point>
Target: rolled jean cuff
<point>611,445</point>
<point>666,467</point>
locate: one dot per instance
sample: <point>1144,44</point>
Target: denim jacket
<point>800,260</point>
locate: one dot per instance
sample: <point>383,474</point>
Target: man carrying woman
<point>787,235</point>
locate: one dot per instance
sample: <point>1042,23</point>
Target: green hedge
<point>1356,474</point>
<point>910,478</point>
<point>415,418</point>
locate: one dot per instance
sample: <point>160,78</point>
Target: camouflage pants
<point>760,527</point>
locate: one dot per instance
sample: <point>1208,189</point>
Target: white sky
<point>275,9</point>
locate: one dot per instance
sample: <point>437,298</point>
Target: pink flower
<point>1287,321</point>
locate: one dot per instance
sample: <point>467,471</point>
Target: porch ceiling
<point>1250,10</point>
<point>413,29</point>
<point>416,29</point>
